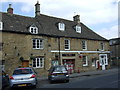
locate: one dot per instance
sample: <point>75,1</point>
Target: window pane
<point>35,30</point>
<point>38,64</point>
<point>34,62</point>
<point>38,43</point>
<point>102,46</point>
<point>67,44</point>
<point>41,43</point>
<point>34,44</point>
<point>84,60</point>
<point>61,26</point>
<point>84,45</point>
<point>41,63</point>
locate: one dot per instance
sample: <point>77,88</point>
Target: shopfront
<point>69,61</point>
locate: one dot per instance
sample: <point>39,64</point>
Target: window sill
<point>38,48</point>
<point>38,67</point>
<point>85,65</point>
<point>67,49</point>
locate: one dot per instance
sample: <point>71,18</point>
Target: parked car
<point>5,79</point>
<point>58,73</point>
<point>23,77</point>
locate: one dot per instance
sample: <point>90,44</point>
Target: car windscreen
<point>59,69</point>
<point>22,71</point>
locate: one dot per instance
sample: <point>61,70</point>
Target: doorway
<point>70,64</point>
<point>25,63</point>
<point>103,61</point>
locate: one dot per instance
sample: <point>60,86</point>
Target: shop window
<point>85,61</point>
<point>93,63</point>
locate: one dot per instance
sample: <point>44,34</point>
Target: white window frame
<point>33,30</point>
<point>61,26</point>
<point>1,25</point>
<point>78,29</point>
<point>102,46</point>
<point>39,62</point>
<point>84,45</point>
<point>86,61</point>
<point>106,59</point>
<point>38,43</point>
<point>67,44</point>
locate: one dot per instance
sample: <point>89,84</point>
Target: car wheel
<point>51,81</point>
<point>35,86</point>
<point>12,88</point>
<point>66,81</point>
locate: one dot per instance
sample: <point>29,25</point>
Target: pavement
<point>88,73</point>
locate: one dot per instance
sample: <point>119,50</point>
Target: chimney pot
<point>37,9</point>
<point>10,9</point>
<point>76,18</point>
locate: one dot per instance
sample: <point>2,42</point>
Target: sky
<point>99,15</point>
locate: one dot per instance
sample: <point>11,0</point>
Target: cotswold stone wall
<point>17,46</point>
<point>76,45</point>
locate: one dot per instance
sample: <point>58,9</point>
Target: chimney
<point>76,18</point>
<point>37,9</point>
<point>10,9</point>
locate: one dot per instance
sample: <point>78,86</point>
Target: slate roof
<point>47,25</point>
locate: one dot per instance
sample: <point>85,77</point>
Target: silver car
<point>23,77</point>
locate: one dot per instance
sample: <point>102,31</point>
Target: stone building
<point>115,51</point>
<point>42,41</point>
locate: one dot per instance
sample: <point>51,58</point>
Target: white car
<point>23,77</point>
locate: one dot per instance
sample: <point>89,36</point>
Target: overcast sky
<point>99,15</point>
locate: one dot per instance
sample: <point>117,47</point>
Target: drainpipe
<point>59,56</point>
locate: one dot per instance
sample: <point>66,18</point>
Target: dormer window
<point>33,30</point>
<point>61,26</point>
<point>78,29</point>
<point>1,25</point>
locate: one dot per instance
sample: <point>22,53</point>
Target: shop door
<point>69,65</point>
<point>25,64</point>
<point>103,61</point>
